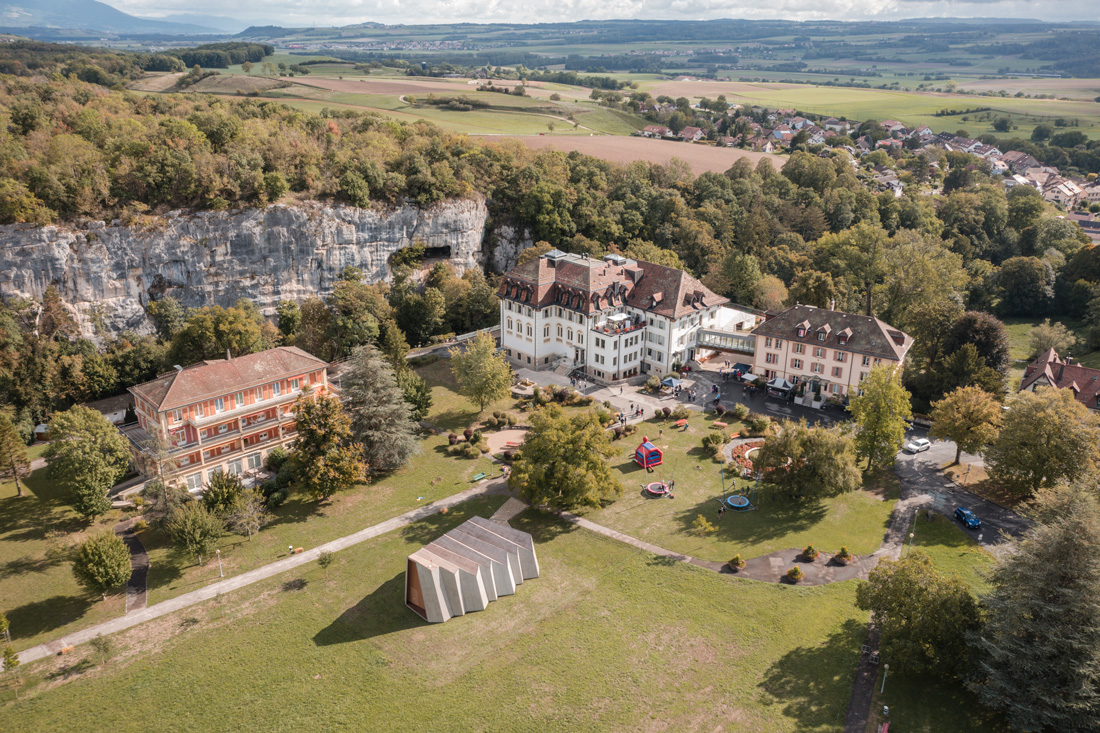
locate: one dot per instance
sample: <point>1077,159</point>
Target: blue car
<point>967,517</point>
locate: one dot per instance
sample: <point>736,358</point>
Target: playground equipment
<point>657,488</point>
<point>740,502</point>
<point>648,455</point>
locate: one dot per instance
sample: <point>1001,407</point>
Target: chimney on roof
<point>177,367</point>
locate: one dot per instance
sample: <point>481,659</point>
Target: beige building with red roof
<point>611,318</point>
<point>224,414</point>
<point>1049,370</point>
<point>827,348</point>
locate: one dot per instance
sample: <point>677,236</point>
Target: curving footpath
<point>137,585</point>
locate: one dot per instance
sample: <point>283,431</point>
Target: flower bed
<point>739,454</point>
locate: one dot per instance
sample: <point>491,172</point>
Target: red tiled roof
<point>590,285</point>
<point>865,334</point>
<point>210,379</point>
<point>1048,369</point>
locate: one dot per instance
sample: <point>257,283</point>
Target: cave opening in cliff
<point>437,253</point>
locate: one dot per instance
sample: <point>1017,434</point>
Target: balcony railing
<point>245,409</point>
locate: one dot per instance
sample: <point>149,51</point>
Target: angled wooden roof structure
<point>476,562</point>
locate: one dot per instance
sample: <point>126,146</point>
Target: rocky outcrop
<point>107,273</point>
<point>508,242</point>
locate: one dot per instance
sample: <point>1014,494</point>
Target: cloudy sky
<point>345,12</point>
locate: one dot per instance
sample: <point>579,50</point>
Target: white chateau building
<point>611,318</point>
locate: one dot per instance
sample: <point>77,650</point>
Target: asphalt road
<point>920,474</point>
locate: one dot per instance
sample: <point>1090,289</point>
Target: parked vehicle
<point>917,445</point>
<point>968,518</point>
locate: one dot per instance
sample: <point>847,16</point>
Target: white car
<point>917,445</point>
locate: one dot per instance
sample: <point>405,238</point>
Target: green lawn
<point>857,519</point>
<point>37,589</point>
<point>44,602</point>
<point>608,638</point>
<point>1019,345</point>
<point>926,705</point>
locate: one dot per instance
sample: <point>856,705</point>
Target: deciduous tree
<point>809,462</point>
<point>87,456</point>
<point>327,459</point>
<point>102,563</point>
<point>14,465</point>
<point>1047,437</point>
<point>986,333</point>
<point>222,491</point>
<point>483,373</point>
<point>970,416</point>
<point>249,513</point>
<point>1047,335</point>
<point>1039,653</point>
<point>563,462</point>
<point>195,529</point>
<point>881,412</point>
<point>925,617</point>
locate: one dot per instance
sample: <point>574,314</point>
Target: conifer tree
<point>375,403</point>
<point>13,455</point>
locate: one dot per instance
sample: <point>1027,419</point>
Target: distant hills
<point>91,15</point>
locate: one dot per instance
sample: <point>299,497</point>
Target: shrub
<point>607,404</point>
<point>740,411</point>
<point>666,411</point>
<point>586,401</point>
<point>809,552</point>
<point>470,450</point>
<point>483,448</point>
<point>467,433</point>
<point>795,575</point>
<point>137,500</point>
<point>492,422</point>
<point>702,526</point>
<point>276,458</point>
<point>269,487</point>
<point>536,393</point>
<point>713,442</point>
<point>498,414</point>
<point>476,437</point>
<point>844,556</point>
<point>721,410</point>
<point>508,455</point>
<point>630,428</point>
<point>277,499</point>
<point>758,424</point>
<point>452,438</point>
<point>744,432</point>
<point>653,384</point>
<point>737,562</point>
<point>512,419</point>
<point>604,416</point>
<point>681,412</point>
<point>140,525</point>
<point>618,433</point>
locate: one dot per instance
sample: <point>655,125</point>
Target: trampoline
<point>657,488</point>
<point>737,502</point>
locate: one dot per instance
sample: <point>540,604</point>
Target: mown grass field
<point>857,519</point>
<point>608,638</point>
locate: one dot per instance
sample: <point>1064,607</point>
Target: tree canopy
<point>87,456</point>
<point>482,372</point>
<point>380,416</point>
<point>881,412</point>
<point>563,461</point>
<point>810,463</point>
<point>969,416</point>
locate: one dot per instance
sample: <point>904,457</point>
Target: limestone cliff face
<point>107,273</point>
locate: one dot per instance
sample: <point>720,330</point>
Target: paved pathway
<point>508,511</point>
<point>213,590</point>
<point>136,587</point>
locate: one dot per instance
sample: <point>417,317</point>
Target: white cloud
<point>327,12</point>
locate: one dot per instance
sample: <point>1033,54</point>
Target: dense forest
<point>815,233</point>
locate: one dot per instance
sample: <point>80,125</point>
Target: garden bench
<point>479,476</point>
<point>681,423</point>
<point>719,424</point>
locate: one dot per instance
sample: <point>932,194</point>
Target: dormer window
<point>821,335</point>
<point>843,340</point>
<point>801,332</point>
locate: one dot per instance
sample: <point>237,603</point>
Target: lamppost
<point>967,476</point>
<point>910,550</point>
<point>219,554</point>
<point>885,671</point>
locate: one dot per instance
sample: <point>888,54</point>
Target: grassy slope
<point>607,639</point>
<point>43,600</point>
<point>857,520</point>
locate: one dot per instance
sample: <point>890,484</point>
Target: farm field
<point>571,649</point>
<point>701,158</point>
<point>857,519</point>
